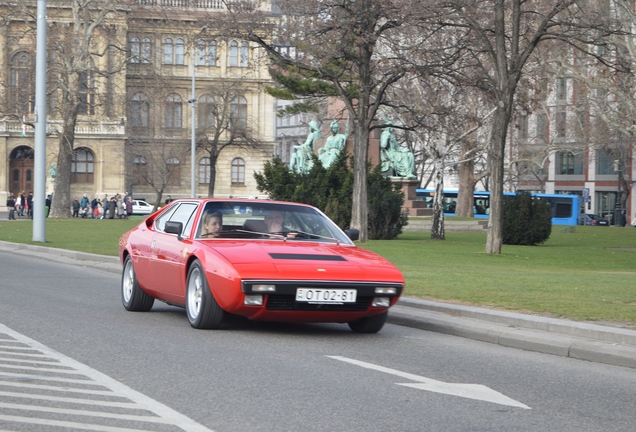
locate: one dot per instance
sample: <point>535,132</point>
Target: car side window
<point>181,213</point>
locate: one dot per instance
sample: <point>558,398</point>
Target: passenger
<point>212,224</point>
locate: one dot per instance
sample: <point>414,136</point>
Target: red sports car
<point>264,260</point>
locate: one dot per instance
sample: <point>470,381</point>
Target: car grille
<point>288,303</point>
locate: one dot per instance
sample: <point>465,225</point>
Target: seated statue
<point>333,145</point>
<point>301,161</point>
<point>396,161</point>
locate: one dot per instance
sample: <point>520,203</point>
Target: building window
<point>174,111</point>
<point>180,52</point>
<point>135,50</point>
<point>245,52</point>
<point>523,126</point>
<point>21,89</point>
<point>82,166</point>
<point>238,114</point>
<point>173,172</point>
<point>238,171</point>
<point>239,58</point>
<point>87,91</point>
<point>561,120</point>
<point>140,51</point>
<point>206,112</point>
<point>139,108</point>
<point>204,170</point>
<point>173,51</point>
<point>168,51</point>
<point>140,173</point>
<point>206,53</point>
<point>604,163</point>
<point>541,126</point>
<point>569,163</point>
<point>561,89</point>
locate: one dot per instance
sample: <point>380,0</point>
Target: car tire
<point>202,309</point>
<point>370,324</point>
<point>133,297</point>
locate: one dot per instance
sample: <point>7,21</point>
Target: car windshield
<point>273,221</point>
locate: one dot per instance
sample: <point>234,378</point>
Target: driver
<point>275,221</point>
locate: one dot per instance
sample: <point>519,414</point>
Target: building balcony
<point>184,4</point>
<point>53,127</point>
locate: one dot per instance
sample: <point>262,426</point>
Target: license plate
<point>325,296</point>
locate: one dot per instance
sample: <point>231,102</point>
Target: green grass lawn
<point>588,274</point>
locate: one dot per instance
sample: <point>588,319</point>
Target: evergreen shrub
<point>527,220</point>
<point>332,192</point>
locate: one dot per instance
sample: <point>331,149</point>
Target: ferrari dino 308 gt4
<point>264,260</point>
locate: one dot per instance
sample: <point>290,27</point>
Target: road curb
<point>599,347</point>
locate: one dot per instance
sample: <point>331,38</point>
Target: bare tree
<point>335,52</point>
<point>223,123</point>
<point>503,37</point>
<point>76,46</point>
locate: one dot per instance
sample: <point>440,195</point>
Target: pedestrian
<point>47,204</point>
<point>104,206</point>
<point>129,207</point>
<point>18,204</point>
<point>11,206</point>
<point>94,207</point>
<point>75,207</point>
<point>30,205</point>
<point>84,203</point>
<point>169,199</point>
<point>121,211</point>
<point>112,206</point>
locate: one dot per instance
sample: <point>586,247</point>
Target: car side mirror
<point>353,233</point>
<point>173,227</point>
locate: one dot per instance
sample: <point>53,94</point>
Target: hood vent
<point>306,257</point>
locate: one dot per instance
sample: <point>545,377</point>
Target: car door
<point>169,253</point>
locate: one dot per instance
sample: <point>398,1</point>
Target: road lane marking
<point>470,391</point>
<point>17,349</point>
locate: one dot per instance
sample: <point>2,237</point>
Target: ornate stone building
<point>134,128</point>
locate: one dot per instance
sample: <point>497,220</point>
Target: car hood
<point>304,260</point>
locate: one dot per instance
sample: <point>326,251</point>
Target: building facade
<point>134,129</point>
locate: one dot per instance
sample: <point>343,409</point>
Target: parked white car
<point>141,207</point>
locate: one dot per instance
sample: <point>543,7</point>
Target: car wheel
<point>370,324</point>
<point>133,297</point>
<point>202,309</point>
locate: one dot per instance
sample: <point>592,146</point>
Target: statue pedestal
<point>411,204</point>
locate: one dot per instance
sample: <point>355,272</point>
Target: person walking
<point>104,206</point>
<point>18,204</point>
<point>75,207</point>
<point>112,206</point>
<point>11,206</point>
<point>30,205</point>
<point>128,205</point>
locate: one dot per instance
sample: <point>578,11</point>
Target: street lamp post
<point>193,101</point>
<point>193,143</point>
<point>618,206</point>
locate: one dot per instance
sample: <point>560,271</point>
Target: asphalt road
<point>70,355</point>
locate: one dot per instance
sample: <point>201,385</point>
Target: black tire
<point>370,324</point>
<point>202,309</point>
<point>133,297</point>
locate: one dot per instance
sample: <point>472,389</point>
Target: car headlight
<point>381,302</point>
<point>385,290</point>
<point>253,300</point>
<point>263,288</point>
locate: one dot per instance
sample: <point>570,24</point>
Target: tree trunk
<point>465,200</point>
<point>61,201</point>
<point>497,147</point>
<point>437,229</point>
<point>360,210</point>
<point>212,177</point>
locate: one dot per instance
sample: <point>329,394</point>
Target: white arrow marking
<point>470,391</point>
